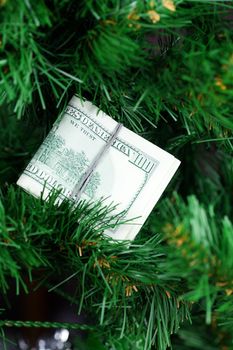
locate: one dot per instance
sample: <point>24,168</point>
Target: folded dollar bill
<point>132,172</point>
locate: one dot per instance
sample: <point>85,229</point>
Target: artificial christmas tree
<point>163,69</point>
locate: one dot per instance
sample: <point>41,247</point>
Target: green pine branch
<point>160,68</point>
<point>38,236</point>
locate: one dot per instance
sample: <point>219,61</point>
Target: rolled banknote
<point>125,168</point>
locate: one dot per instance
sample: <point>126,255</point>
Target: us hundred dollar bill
<point>133,172</point>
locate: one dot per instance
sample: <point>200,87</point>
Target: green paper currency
<point>132,173</point>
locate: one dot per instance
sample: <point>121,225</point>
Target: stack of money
<point>88,155</point>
